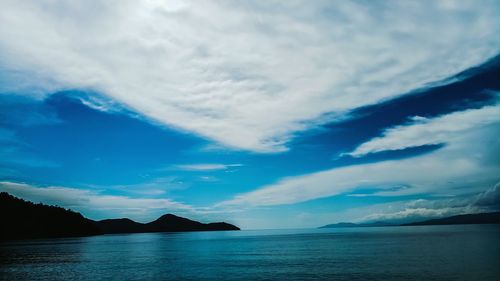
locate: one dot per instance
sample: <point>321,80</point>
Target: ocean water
<point>461,252</point>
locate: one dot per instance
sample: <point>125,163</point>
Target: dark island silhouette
<point>165,223</point>
<point>20,219</point>
<point>481,218</point>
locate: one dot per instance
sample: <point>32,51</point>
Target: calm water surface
<point>464,252</point>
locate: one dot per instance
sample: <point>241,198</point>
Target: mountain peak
<point>168,216</point>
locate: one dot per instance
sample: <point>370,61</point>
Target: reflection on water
<point>461,252</point>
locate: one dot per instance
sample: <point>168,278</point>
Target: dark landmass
<point>340,225</point>
<point>20,219</point>
<point>120,226</point>
<point>482,218</point>
<point>166,223</point>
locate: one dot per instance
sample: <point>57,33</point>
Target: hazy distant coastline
<point>482,218</point>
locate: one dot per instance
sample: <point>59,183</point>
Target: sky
<point>264,114</point>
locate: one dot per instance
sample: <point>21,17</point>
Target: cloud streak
<point>206,167</point>
<point>486,201</point>
<point>468,162</point>
<point>94,203</point>
<point>247,76</point>
<point>428,131</point>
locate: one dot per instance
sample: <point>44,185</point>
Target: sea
<point>457,252</point>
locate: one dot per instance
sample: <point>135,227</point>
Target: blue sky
<point>265,115</point>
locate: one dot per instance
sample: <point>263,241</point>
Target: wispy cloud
<point>486,201</point>
<point>153,187</point>
<point>206,167</point>
<point>95,204</point>
<point>427,131</point>
<point>403,211</point>
<point>468,162</point>
<point>246,75</point>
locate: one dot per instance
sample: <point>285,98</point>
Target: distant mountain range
<point>20,219</point>
<point>482,218</point>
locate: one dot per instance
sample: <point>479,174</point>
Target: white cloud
<point>408,214</point>
<point>490,197</point>
<point>206,167</point>
<point>152,187</point>
<point>404,211</point>
<point>245,75</point>
<point>414,210</point>
<point>469,162</point>
<point>97,205</point>
<point>425,131</point>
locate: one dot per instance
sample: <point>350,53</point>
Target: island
<point>481,218</point>
<point>165,223</point>
<point>22,219</point>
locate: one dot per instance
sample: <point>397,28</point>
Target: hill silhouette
<point>22,219</point>
<point>165,223</point>
<point>482,218</point>
<point>171,222</point>
<point>120,226</point>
